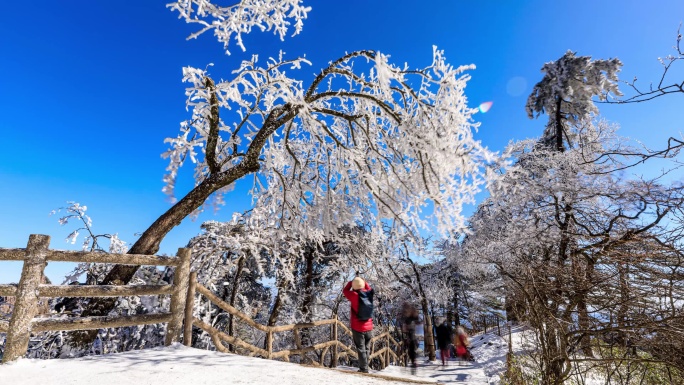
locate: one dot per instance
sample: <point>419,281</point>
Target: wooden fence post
<point>181,279</point>
<point>387,352</point>
<point>297,338</point>
<point>509,355</point>
<point>334,358</point>
<point>26,300</point>
<point>189,307</point>
<point>269,344</point>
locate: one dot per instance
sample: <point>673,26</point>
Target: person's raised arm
<point>349,293</point>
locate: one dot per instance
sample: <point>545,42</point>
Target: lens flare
<point>484,107</point>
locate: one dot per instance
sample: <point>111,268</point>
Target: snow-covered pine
<point>566,93</point>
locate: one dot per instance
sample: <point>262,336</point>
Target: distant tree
<point>366,138</point>
<point>566,91</point>
<point>566,94</point>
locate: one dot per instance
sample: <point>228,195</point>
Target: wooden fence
<point>333,348</point>
<point>23,321</point>
<point>36,255</point>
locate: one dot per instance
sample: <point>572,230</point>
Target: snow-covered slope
<point>490,350</point>
<point>179,365</point>
<point>175,365</point>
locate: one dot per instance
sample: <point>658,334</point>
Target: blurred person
<point>444,333</point>
<point>409,320</point>
<point>462,343</point>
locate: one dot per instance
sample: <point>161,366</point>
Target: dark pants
<point>361,340</point>
<point>411,344</point>
<point>444,353</point>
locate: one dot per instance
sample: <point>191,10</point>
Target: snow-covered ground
<point>179,365</point>
<point>490,350</point>
<point>456,372</point>
<point>176,365</point>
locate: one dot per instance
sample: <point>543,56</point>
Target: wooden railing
<point>333,348</point>
<point>36,255</point>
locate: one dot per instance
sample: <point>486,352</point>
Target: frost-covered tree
<point>566,94</point>
<point>594,285</point>
<point>367,139</point>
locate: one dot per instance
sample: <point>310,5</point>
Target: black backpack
<point>365,305</point>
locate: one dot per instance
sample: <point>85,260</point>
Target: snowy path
<point>454,373</point>
<point>178,365</point>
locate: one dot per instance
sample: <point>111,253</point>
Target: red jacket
<point>353,297</point>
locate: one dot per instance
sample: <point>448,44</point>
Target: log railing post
<point>297,338</point>
<point>387,345</point>
<point>189,307</point>
<point>181,278</point>
<point>269,344</point>
<point>334,355</point>
<point>26,300</point>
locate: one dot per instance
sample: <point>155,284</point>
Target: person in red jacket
<point>360,296</point>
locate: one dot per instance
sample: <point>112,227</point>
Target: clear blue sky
<point>90,89</point>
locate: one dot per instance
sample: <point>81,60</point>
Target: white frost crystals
<point>240,18</point>
<point>365,138</point>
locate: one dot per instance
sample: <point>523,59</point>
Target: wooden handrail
<point>225,337</point>
<point>90,323</point>
<point>377,353</point>
<point>19,254</point>
<point>345,328</point>
<point>102,290</point>
<point>292,352</point>
<point>12,254</point>
<point>91,290</point>
<point>8,290</point>
<point>347,350</point>
<point>372,340</point>
<point>393,341</point>
<point>225,306</point>
<point>285,328</point>
<point>30,288</point>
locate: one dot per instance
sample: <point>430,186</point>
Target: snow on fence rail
<point>26,293</point>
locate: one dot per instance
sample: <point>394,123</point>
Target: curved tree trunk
<point>149,242</point>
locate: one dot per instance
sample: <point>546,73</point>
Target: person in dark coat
<point>444,333</point>
<point>409,320</point>
<point>361,329</point>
